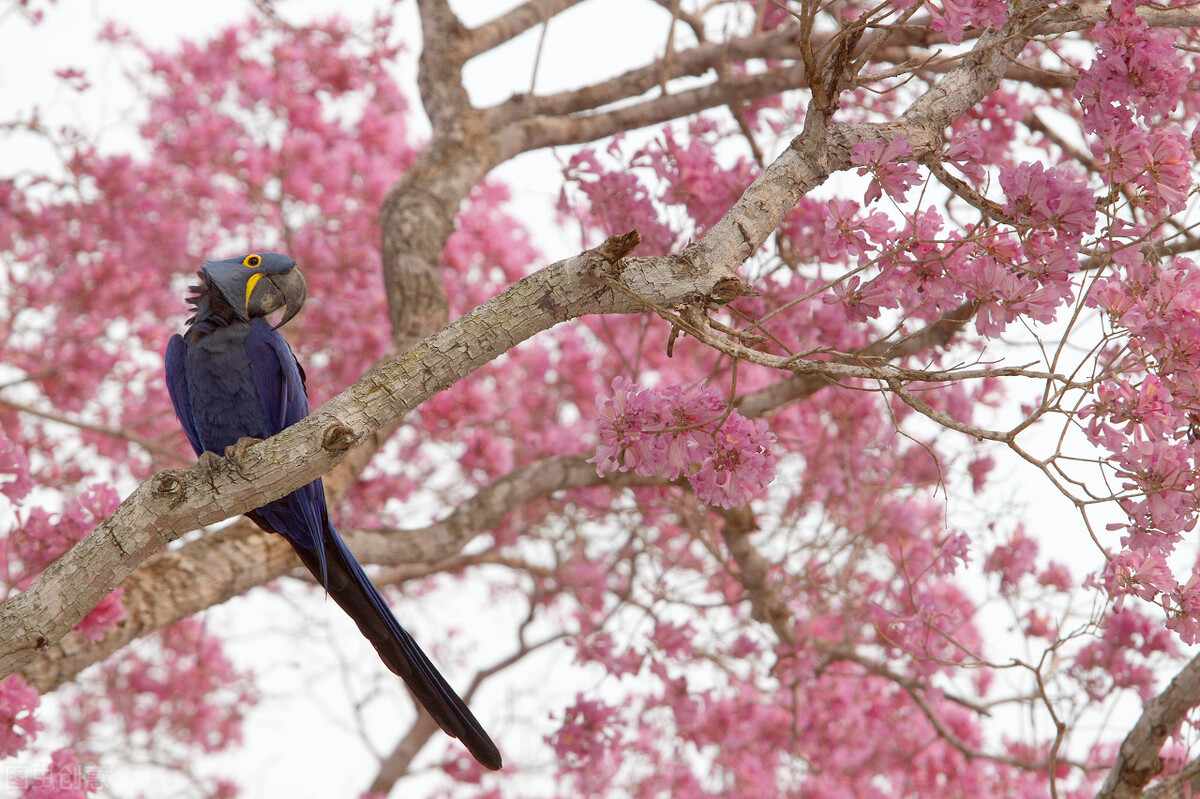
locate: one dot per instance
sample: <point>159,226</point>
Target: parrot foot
<point>210,464</point>
<point>237,452</point>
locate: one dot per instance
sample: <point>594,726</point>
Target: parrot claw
<point>210,464</point>
<point>235,453</point>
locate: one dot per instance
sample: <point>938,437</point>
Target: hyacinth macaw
<point>232,376</point>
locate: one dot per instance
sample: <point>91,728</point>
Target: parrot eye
<point>252,261</point>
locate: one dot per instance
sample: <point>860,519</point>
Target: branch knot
<point>617,247</point>
<point>166,485</point>
<point>338,438</point>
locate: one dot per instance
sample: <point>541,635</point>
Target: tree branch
<point>1185,783</point>
<point>1137,760</point>
<point>512,24</point>
<point>152,447</point>
<point>537,132</point>
<point>693,62</point>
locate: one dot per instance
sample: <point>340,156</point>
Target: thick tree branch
<point>443,54</point>
<point>178,583</point>
<point>1068,18</point>
<point>417,215</point>
<point>1137,760</point>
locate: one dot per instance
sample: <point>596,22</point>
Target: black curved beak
<point>286,290</point>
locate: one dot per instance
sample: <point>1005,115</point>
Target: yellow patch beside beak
<point>250,284</point>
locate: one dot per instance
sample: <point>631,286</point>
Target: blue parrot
<point>231,377</point>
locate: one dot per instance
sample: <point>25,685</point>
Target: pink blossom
<point>626,426</point>
<point>954,552</point>
<point>14,467</point>
<point>1140,573</point>
<point>669,433</point>
<point>847,233</point>
<point>965,152</point>
<point>103,617</point>
<point>883,162</point>
<point>612,200</point>
<point>1137,70</point>
<point>65,779</point>
<point>1054,196</point>
<point>74,78</point>
<point>1056,575</point>
<point>693,176</point>
<point>957,15</point>
<point>187,691</point>
<point>861,303</point>
<point>586,732</point>
<point>979,469</point>
<point>1164,171</point>
<point>1120,657</point>
<point>1012,560</point>
<point>18,727</point>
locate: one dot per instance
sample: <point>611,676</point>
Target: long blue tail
<point>350,587</point>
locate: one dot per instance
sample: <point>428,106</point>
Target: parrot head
<point>258,284</point>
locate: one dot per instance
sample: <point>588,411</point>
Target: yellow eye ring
<point>252,261</point>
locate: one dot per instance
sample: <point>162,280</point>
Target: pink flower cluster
<point>1147,420</point>
<point>1057,199</point>
<point>883,163</point>
<point>186,691</point>
<point>925,271</point>
<point>958,15</point>
<point>613,191</point>
<point>65,779</point>
<point>1127,95</point>
<point>586,733</point>
<point>42,536</point>
<point>669,432</point>
<point>1120,657</point>
<point>1145,417</point>
<point>18,727</point>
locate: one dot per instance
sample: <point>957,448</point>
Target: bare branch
<point>152,447</point>
<point>512,24</point>
<point>540,132</point>
<point>695,61</point>
<point>1185,783</point>
<point>766,605</point>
